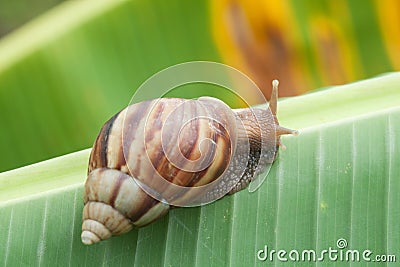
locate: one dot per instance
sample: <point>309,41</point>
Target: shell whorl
<point>128,146</point>
<point>114,203</point>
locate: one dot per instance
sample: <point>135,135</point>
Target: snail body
<point>173,152</point>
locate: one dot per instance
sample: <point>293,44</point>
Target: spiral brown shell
<point>176,152</point>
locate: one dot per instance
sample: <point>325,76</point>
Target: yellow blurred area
<point>305,46</point>
<point>260,40</point>
<point>389,19</point>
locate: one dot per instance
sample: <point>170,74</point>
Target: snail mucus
<point>172,152</point>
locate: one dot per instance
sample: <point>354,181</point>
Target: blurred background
<point>13,14</point>
<point>67,66</point>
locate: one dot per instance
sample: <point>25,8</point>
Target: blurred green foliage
<point>56,98</point>
<point>13,14</point>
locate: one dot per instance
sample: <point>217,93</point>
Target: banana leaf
<point>334,187</point>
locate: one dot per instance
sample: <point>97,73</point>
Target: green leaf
<point>337,179</point>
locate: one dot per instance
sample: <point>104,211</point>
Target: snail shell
<point>173,152</point>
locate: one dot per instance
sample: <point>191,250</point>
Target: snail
<point>172,152</point>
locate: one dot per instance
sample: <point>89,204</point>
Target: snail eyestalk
<point>273,106</point>
<point>273,102</point>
